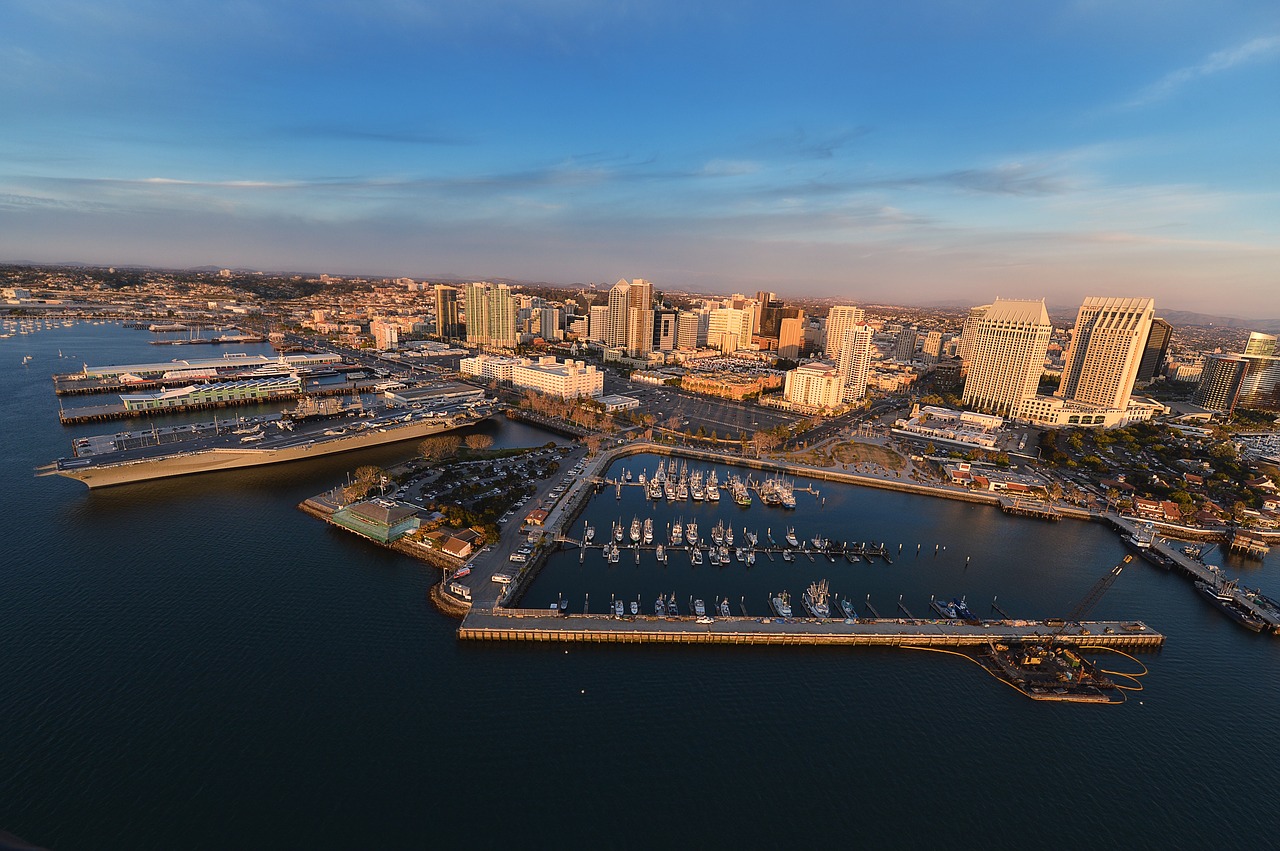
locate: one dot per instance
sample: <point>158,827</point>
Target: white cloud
<point>1258,49</point>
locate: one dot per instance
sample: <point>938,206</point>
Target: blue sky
<point>910,152</point>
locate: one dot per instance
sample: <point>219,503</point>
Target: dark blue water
<point>195,664</point>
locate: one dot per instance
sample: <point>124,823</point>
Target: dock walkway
<point>531,625</point>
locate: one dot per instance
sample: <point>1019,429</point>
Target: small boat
<point>791,537</point>
<point>787,555</point>
<point>660,606</point>
<point>617,531</point>
<point>699,608</point>
<point>614,554</point>
<point>713,556</point>
<point>635,607</point>
<point>728,535</point>
<point>691,533</point>
<point>647,535</point>
<point>962,609</point>
<point>588,533</point>
<point>947,610</point>
<point>695,556</point>
<point>461,572</point>
<point>781,604</point>
<point>724,608</point>
<point>848,609</point>
<point>617,608</point>
<point>673,611</point>
<point>661,554</point>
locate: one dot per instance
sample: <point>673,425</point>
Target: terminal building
<point>264,389</point>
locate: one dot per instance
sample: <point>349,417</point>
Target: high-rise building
<point>639,340</point>
<point>598,323</point>
<point>687,330</point>
<point>1219,386</point>
<point>932,346</point>
<point>448,326</point>
<point>1157,347</point>
<point>839,320</point>
<point>969,331</point>
<point>549,323</point>
<point>615,335</point>
<point>665,329</point>
<point>1260,385</point>
<point>854,364</point>
<point>791,337</point>
<point>904,349</point>
<point>814,385</point>
<point>491,315</point>
<point>1106,349</point>
<point>1007,355</point>
<point>1260,344</point>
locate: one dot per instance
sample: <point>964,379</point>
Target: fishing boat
<point>717,533</point>
<point>617,531</point>
<point>791,537</point>
<point>695,556</point>
<point>614,554</point>
<point>691,532</point>
<point>739,554</point>
<point>816,599</point>
<point>648,530</point>
<point>752,538</point>
<point>1223,595</point>
<point>635,530</point>
<point>673,611</point>
<point>751,557</point>
<point>947,610</point>
<point>728,535</point>
<point>781,604</point>
<point>962,609</point>
<point>849,611</point>
<point>661,554</point>
<point>677,532</point>
<point>724,608</point>
<point>713,556</point>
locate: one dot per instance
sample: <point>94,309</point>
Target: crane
<point>1091,599</point>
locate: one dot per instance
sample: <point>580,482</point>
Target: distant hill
<point>1186,317</point>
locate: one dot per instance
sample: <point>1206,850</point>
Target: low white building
<point>1056,412</point>
<point>488,367</point>
<point>568,380</point>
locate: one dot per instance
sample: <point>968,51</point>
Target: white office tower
<point>1106,349</point>
<point>1006,358</point>
<point>687,330</point>
<point>615,334</point>
<point>729,329</point>
<point>840,319</point>
<point>639,337</point>
<point>854,364</point>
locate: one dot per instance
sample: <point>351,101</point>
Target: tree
<point>478,442</point>
<point>440,446</point>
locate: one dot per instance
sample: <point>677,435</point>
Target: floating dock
<point>545,625</point>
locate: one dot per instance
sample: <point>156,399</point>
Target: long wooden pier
<point>539,625</point>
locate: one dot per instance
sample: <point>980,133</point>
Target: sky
<point>904,152</point>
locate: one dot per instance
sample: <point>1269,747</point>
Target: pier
<point>547,626</point>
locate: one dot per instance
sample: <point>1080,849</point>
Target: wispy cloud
<point>1254,50</point>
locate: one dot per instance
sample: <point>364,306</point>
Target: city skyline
<point>923,154</point>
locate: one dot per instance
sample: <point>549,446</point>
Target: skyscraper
<point>854,363</point>
<point>447,323</point>
<point>969,331</point>
<point>1106,349</point>
<point>491,315</point>
<point>639,341</point>
<point>615,335</point>
<point>598,324</point>
<point>791,337</point>
<point>1007,355</point>
<point>1219,386</point>
<point>904,349</point>
<point>1260,344</point>
<point>839,320</point>
<point>1153,354</point>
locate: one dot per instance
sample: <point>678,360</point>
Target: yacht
<point>787,555</point>
<point>691,532</point>
<point>699,608</point>
<point>588,533</point>
<point>660,605</point>
<point>648,530</point>
<point>695,556</point>
<point>661,554</point>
